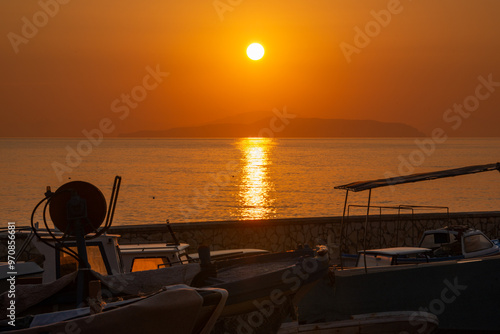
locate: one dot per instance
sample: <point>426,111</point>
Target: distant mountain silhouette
<point>296,128</point>
<point>248,117</point>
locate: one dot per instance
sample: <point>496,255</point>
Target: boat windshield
<point>68,264</point>
<point>150,263</point>
<point>437,239</point>
<point>476,242</point>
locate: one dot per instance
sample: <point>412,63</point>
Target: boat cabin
<point>458,242</point>
<point>107,257</point>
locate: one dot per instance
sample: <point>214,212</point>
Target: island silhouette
<point>282,125</point>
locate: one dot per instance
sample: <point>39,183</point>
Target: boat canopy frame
<point>400,208</point>
<point>392,181</point>
<point>418,177</point>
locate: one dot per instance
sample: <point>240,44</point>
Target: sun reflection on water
<point>256,185</point>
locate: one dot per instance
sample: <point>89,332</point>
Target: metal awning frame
<point>369,185</point>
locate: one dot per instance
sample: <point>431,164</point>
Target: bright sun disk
<point>255,51</point>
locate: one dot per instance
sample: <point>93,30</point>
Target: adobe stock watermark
<point>373,28</point>
<point>12,272</point>
<point>201,198</point>
<point>30,28</point>
<point>222,6</point>
<point>277,123</point>
<point>120,106</point>
<point>437,306</point>
<point>453,117</point>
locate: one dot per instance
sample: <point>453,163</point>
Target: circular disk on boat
<point>77,202</point>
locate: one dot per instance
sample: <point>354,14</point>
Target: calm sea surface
<point>220,179</point>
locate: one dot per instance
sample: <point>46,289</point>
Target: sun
<point>255,51</point>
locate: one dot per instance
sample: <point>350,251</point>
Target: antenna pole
<point>176,241</point>
<point>77,213</point>
<point>366,227</point>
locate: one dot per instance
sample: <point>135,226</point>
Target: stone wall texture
<point>278,235</point>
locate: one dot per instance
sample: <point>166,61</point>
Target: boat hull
<point>180,310</point>
<point>462,294</point>
<point>373,323</point>
<point>263,289</point>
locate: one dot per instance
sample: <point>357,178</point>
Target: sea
<point>201,180</point>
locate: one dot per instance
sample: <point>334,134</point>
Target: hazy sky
<point>66,65</point>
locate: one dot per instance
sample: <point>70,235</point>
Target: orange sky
<point>64,77</point>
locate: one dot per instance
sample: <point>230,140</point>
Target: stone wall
<point>284,234</point>
<point>273,234</point>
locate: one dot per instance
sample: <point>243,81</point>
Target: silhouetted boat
<point>107,257</point>
<point>448,243</point>
<point>88,302</point>
<point>268,282</point>
<point>173,309</point>
<point>463,294</point>
<point>263,288</point>
<point>249,280</point>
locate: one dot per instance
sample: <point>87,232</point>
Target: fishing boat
<point>462,293</point>
<point>458,242</point>
<point>103,251</point>
<point>84,300</point>
<point>47,308</point>
<point>448,243</point>
<point>107,257</point>
<point>250,280</point>
<point>261,288</point>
